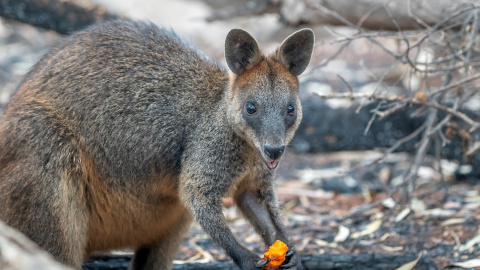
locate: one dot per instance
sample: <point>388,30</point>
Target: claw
<point>290,253</point>
<point>288,263</point>
<point>261,263</point>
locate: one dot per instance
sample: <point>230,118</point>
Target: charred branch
<point>309,262</point>
<point>62,16</point>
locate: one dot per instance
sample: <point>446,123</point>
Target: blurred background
<point>386,158</point>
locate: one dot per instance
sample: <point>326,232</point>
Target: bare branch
<point>453,85</point>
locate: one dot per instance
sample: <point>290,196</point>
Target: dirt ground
<point>442,223</point>
<point>328,206</point>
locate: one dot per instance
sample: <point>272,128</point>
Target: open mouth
<point>272,164</point>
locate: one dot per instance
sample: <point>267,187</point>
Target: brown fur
<point>124,133</point>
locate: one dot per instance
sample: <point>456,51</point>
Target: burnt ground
<point>336,204</point>
<point>317,202</point>
<point>322,196</point>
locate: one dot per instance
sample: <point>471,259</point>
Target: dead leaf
<point>324,243</point>
<point>472,199</point>
<point>304,201</point>
<point>207,257</point>
<point>289,205</point>
<point>317,194</point>
<point>472,242</point>
<point>452,205</point>
<point>402,214</point>
<point>305,242</point>
<point>369,229</point>
<point>437,212</point>
<point>417,205</point>
<point>410,265</point>
<point>473,205</point>
<point>472,193</point>
<point>385,174</point>
<point>452,221</point>
<point>252,238</point>
<point>367,195</point>
<point>385,236</point>
<point>391,249</point>
<point>342,235</point>
<point>467,264</point>
<point>389,203</point>
<point>421,97</point>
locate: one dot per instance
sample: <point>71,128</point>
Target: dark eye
<point>250,108</point>
<point>291,109</point>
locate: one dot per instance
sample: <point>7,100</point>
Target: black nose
<point>274,152</point>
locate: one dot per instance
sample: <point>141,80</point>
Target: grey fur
<point>124,132</point>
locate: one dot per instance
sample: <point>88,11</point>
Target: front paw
<point>261,263</point>
<point>252,262</point>
<point>292,261</point>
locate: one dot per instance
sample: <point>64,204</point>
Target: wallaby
<point>124,133</point>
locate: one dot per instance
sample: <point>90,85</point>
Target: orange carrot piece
<point>275,255</point>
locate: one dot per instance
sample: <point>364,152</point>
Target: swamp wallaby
<point>124,133</point>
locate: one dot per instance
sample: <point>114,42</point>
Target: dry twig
<point>454,46</point>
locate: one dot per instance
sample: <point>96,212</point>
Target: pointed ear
<point>241,51</point>
<point>296,51</point>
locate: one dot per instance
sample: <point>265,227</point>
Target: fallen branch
<point>405,101</point>
<point>326,129</point>
<point>62,16</point>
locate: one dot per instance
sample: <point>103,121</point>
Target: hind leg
<point>48,213</point>
<point>160,255</point>
<point>40,193</point>
<point>73,222</point>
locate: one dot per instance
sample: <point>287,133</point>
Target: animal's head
<point>264,106</point>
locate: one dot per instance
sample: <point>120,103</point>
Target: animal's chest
<point>252,177</point>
